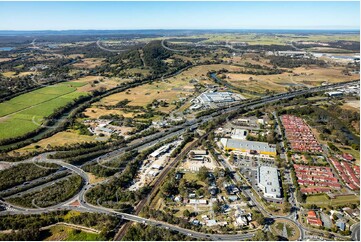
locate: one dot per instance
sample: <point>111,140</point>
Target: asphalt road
<point>355,232</point>
<point>249,193</point>
<point>91,208</point>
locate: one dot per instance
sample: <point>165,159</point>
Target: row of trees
<point>36,183</point>
<point>19,174</point>
<point>334,123</point>
<point>51,195</point>
<point>115,191</point>
<point>28,226</point>
<point>140,232</point>
<point>96,96</point>
<point>291,62</point>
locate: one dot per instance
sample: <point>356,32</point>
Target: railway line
<point>156,184</point>
<point>250,105</point>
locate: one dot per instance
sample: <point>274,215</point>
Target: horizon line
<point>352,29</point>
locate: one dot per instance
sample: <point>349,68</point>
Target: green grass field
<point>323,200</point>
<point>65,233</point>
<point>292,232</point>
<point>17,114</point>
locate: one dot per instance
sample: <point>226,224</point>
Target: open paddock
<point>313,76</point>
<point>254,83</point>
<point>17,115</point>
<point>8,74</point>
<point>5,59</point>
<point>89,63</point>
<point>251,58</point>
<point>133,71</point>
<point>323,200</point>
<point>58,139</point>
<point>145,94</point>
<point>67,233</point>
<point>96,112</point>
<point>90,83</point>
<point>170,90</point>
<point>352,105</point>
<point>73,56</point>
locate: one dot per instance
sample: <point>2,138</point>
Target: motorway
<point>147,142</point>
<point>109,50</point>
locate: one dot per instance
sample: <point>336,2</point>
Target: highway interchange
<point>149,141</point>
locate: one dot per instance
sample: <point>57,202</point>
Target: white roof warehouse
<point>268,181</point>
<point>248,146</point>
<point>217,97</point>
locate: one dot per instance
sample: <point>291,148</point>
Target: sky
<point>178,15</point>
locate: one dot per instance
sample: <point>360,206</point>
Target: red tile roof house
<point>313,220</point>
<point>312,190</point>
<point>299,134</point>
<point>356,169</point>
<point>347,157</point>
<point>350,172</point>
<point>349,176</point>
<point>316,176</point>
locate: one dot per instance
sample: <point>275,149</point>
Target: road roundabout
<point>286,229</point>
<point>290,227</point>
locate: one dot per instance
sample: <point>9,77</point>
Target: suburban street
<point>147,142</point>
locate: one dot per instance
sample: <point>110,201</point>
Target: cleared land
<point>170,90</point>
<point>5,59</point>
<point>17,114</point>
<point>26,112</point>
<point>58,139</point>
<point>96,112</point>
<point>89,63</point>
<point>352,105</point>
<point>323,200</point>
<point>96,82</point>
<point>145,94</point>
<point>313,76</point>
<point>94,179</point>
<point>66,233</point>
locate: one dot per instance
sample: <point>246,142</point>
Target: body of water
<point>6,48</point>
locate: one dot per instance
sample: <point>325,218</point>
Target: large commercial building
<point>248,146</point>
<point>269,182</point>
<point>216,97</point>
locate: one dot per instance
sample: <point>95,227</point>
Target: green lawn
<point>324,200</point>
<point>36,97</point>
<point>36,105</point>
<point>193,177</point>
<point>64,233</point>
<point>292,232</point>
